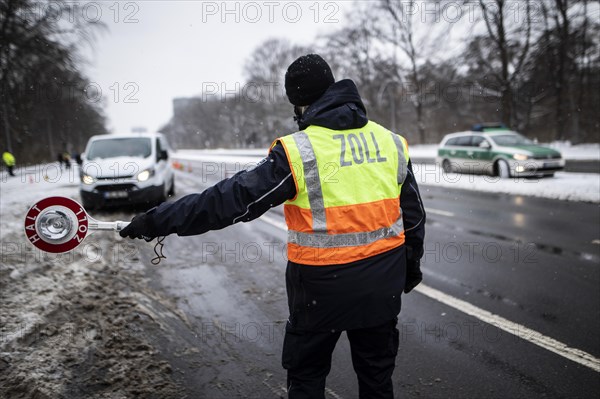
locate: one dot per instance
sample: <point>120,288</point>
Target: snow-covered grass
<point>421,151</point>
<point>581,152</point>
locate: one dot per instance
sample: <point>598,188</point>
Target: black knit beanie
<point>307,79</point>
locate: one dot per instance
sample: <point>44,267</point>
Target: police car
<point>496,150</point>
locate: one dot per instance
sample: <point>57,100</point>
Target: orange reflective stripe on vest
<point>347,206</point>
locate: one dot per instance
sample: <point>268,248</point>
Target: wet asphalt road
<point>531,261</point>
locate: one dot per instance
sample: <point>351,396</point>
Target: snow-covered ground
<point>44,180</point>
<point>421,151</point>
<point>70,323</point>
<point>31,184</point>
<point>579,152</point>
<point>563,186</point>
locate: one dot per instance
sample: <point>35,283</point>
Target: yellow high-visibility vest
<point>8,159</point>
<point>348,185</point>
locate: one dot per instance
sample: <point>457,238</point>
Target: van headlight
<point>521,157</point>
<point>145,175</point>
<point>87,179</point>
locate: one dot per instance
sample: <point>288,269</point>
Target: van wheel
<point>502,169</point>
<point>446,166</point>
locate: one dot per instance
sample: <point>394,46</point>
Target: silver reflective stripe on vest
<point>320,240</point>
<point>402,161</point>
<point>313,181</point>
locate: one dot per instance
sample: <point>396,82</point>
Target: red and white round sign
<point>56,224</point>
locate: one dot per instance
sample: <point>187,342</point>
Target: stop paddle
<point>60,224</point>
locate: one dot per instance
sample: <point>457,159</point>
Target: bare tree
<point>504,67</point>
<point>351,52</point>
<point>566,31</point>
<point>42,89</point>
<point>418,41</point>
<point>511,41</point>
<point>403,36</point>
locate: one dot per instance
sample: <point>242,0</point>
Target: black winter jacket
<point>361,294</point>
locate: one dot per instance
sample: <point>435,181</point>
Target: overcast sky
<point>154,51</point>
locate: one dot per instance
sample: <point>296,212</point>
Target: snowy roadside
<point>77,324</point>
<point>579,152</point>
<point>563,186</point>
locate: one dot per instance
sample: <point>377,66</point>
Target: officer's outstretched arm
<point>243,197</point>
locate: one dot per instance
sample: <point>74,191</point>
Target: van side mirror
<point>485,145</point>
<point>163,155</point>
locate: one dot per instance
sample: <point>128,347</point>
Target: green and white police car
<point>498,151</point>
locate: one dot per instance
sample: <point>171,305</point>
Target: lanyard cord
<point>158,250</point>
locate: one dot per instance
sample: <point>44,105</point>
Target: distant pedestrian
<point>9,161</point>
<point>67,160</point>
<point>78,159</point>
<point>59,158</point>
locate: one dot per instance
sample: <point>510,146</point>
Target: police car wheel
<point>447,166</point>
<point>503,170</point>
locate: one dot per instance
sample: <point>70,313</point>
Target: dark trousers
<point>10,170</point>
<point>307,359</point>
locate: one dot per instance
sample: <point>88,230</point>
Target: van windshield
<point>120,147</point>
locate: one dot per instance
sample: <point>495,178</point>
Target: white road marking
<point>330,392</point>
<point>516,329</point>
<point>439,212</point>
<point>596,242</point>
<point>519,330</point>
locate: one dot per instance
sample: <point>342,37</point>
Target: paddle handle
<point>110,226</point>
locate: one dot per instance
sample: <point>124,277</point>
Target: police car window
<point>477,140</point>
<point>511,139</point>
<point>463,141</point>
<point>452,141</point>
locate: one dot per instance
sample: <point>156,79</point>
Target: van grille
<point>115,178</point>
<point>116,187</point>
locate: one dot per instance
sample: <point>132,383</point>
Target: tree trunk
<point>562,58</point>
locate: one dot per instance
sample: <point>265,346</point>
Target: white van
<point>121,169</point>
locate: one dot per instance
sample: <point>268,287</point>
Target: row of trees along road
<point>45,106</point>
<point>427,70</point>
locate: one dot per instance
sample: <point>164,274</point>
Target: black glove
<point>413,275</point>
<point>140,227</point>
